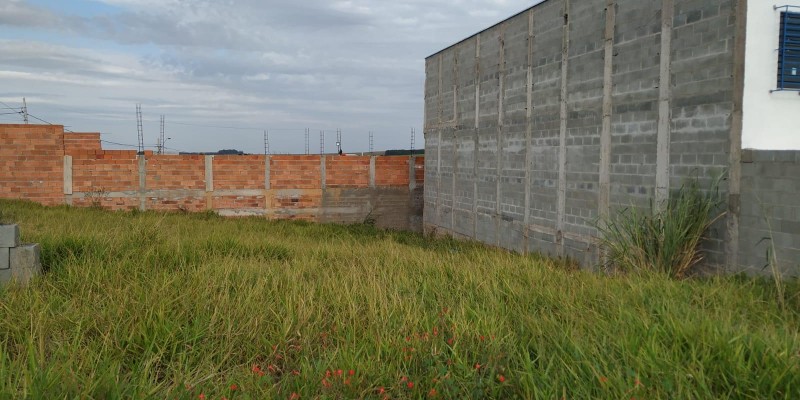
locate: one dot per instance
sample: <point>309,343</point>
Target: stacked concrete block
<point>18,262</point>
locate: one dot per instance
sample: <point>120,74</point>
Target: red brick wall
<point>109,171</point>
<point>32,163</point>
<point>295,172</point>
<point>81,142</point>
<point>346,171</point>
<point>176,172</point>
<point>391,171</point>
<point>239,172</point>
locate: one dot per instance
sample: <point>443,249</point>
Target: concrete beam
<point>562,138</point>
<point>142,182</point>
<point>267,173</point>
<point>604,192</point>
<point>412,174</point>
<point>735,168</point>
<point>528,136</point>
<point>209,175</point>
<point>322,174</point>
<point>372,172</point>
<point>664,105</point>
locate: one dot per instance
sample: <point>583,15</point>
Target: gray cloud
<point>351,64</point>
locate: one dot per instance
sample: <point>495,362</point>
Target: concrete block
<point>9,235</point>
<point>4,258</point>
<point>25,264</point>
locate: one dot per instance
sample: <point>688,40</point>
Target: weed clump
<point>663,239</point>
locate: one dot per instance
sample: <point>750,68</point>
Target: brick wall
<point>32,163</point>
<point>314,188</point>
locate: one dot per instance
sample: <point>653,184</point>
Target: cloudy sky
<point>221,71</point>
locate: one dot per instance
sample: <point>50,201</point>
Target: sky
<point>223,71</point>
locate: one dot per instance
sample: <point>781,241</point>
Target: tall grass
<point>666,238</point>
<point>144,305</point>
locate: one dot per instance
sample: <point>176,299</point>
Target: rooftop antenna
<point>371,142</point>
<point>308,133</point>
<point>339,141</point>
<point>25,110</point>
<point>321,142</point>
<point>266,142</point>
<point>139,129</point>
<point>413,138</point>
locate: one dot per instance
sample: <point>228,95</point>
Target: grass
<point>146,305</point>
<point>664,239</point>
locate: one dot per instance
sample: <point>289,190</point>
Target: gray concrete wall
<point>572,110</point>
<point>770,217</point>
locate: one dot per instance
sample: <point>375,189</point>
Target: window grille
<point>789,51</point>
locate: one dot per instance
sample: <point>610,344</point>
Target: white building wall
<point>771,120</point>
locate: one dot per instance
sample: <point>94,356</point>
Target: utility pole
<point>266,142</point>
<point>139,129</point>
<point>371,142</point>
<point>25,110</point>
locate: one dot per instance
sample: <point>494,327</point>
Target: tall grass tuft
<point>665,240</point>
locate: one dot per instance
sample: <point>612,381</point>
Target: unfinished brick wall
<point>32,163</point>
<point>43,164</point>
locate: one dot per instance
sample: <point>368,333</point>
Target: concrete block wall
<point>572,110</point>
<point>770,213</point>
<point>73,169</point>
<point>18,262</point>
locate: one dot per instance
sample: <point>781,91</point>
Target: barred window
<point>789,52</point>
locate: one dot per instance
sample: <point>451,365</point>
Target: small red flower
<point>296,373</point>
<point>325,383</point>
<point>432,393</point>
<point>201,396</point>
<point>410,385</point>
<point>501,378</point>
<point>328,373</point>
<point>234,387</point>
<point>477,366</point>
<point>450,341</point>
<point>435,331</point>
<point>381,390</point>
<point>403,379</point>
<point>294,396</point>
<point>603,379</point>
<point>351,372</point>
<point>483,338</point>
<point>347,382</point>
<point>339,372</point>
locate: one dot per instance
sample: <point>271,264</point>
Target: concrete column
<point>68,180</point>
<point>664,105</point>
<point>562,142</point>
<point>735,168</point>
<point>528,137</point>
<point>142,182</point>
<point>439,177</point>
<point>476,138</point>
<point>209,182</point>
<point>455,141</point>
<point>500,120</point>
<point>322,172</point>
<point>412,173</point>
<point>372,171</point>
<point>604,192</point>
<point>267,173</point>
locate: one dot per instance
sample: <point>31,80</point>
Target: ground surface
<point>193,306</point>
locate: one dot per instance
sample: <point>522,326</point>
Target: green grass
<point>145,305</point>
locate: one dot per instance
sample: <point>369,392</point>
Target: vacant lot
<point>195,306</point>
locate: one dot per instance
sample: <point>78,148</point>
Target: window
<point>789,52</point>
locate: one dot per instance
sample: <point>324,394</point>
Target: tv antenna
<point>139,129</point>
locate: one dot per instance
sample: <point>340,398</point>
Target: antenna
<point>25,110</point>
<point>139,129</point>
<point>413,138</point>
<point>321,142</point>
<point>339,141</point>
<point>266,142</point>
<point>371,142</point>
<point>161,138</point>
